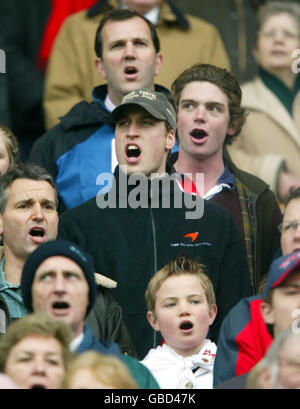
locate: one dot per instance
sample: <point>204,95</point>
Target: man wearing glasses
<point>290,226</point>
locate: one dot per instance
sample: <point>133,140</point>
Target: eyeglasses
<point>284,33</point>
<point>286,227</point>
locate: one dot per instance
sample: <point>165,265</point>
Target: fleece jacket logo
<point>193,236</point>
<point>189,240</point>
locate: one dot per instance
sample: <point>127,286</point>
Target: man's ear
<point>231,129</point>
<point>264,379</point>
<point>170,140</point>
<point>99,67</point>
<point>213,309</point>
<point>267,312</point>
<point>158,63</point>
<point>152,320</point>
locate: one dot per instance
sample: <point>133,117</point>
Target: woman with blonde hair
<point>9,149</point>
<point>92,370</point>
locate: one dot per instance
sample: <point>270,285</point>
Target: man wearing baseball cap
<point>145,219</point>
<point>144,110</point>
<point>281,300</point>
<point>244,336</point>
<point>269,314</point>
<point>58,280</point>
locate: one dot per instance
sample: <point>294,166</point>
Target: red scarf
<point>59,11</point>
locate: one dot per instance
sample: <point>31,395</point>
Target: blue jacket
<point>90,342</point>
<point>139,372</point>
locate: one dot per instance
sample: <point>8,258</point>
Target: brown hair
<point>35,324</point>
<point>181,265</point>
<point>26,170</point>
<point>123,15</point>
<point>223,79</point>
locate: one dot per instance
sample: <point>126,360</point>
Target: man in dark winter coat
<point>145,219</point>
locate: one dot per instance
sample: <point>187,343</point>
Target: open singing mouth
<point>37,232</point>
<point>133,151</point>
<point>60,305</point>
<point>131,70</point>
<point>38,386</point>
<point>186,325</point>
<point>199,134</point>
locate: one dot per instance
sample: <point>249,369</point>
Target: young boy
<point>181,305</point>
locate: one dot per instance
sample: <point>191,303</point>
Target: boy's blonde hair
<point>107,369</point>
<point>181,265</point>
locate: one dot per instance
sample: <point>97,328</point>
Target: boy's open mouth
<point>186,325</point>
<point>38,386</point>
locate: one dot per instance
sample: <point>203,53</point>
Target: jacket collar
<point>255,184</point>
<point>94,113</point>
<point>85,113</point>
<point>146,189</point>
<point>90,342</point>
<point>169,12</point>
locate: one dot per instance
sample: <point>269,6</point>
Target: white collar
<point>152,14</point>
<point>76,342</point>
<point>109,105</point>
<point>214,190</point>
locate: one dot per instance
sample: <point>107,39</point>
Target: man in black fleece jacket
<point>145,220</point>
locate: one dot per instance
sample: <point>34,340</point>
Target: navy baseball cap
<point>281,268</point>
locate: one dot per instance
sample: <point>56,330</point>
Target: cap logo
<point>140,93</point>
<point>293,257</point>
